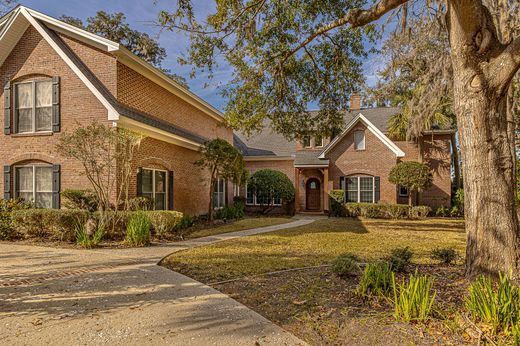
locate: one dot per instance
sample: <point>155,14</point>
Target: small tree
<point>221,160</point>
<point>271,184</point>
<point>106,155</point>
<point>415,176</point>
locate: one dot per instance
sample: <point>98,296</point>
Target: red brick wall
<point>31,57</point>
<point>437,154</point>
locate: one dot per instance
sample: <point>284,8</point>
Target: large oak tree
<point>286,55</point>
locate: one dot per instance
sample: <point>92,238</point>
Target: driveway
<point>122,297</point>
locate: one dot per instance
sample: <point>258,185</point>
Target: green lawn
<point>247,223</point>
<point>314,244</point>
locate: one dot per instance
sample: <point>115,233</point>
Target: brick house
<point>56,76</point>
<point>358,160</point>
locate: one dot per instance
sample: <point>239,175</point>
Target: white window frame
<point>34,192</point>
<point>319,145</point>
<point>400,191</point>
<point>33,109</point>
<point>223,192</point>
<point>358,177</point>
<point>310,142</point>
<point>153,186</point>
<point>255,202</point>
<point>363,140</point>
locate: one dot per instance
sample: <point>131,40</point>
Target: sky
<point>141,15</point>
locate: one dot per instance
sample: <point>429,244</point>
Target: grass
<point>247,223</point>
<point>316,244</point>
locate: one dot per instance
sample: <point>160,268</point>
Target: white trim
<point>399,191</point>
<point>380,135</point>
<point>311,165</point>
<point>223,192</point>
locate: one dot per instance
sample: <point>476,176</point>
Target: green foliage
<point>230,213</point>
<point>140,203</point>
<point>442,212</point>
<point>376,280</point>
<point>346,265</point>
<point>337,198</point>
<point>56,224</point>
<point>399,258</point>
<point>454,211</point>
<point>114,223</point>
<point>222,160</point>
<point>186,222</point>
<point>458,200</point>
<point>138,229</point>
<point>497,305</point>
<point>79,199</point>
<point>164,222</point>
<point>87,240</point>
<point>385,211</point>
<point>272,184</point>
<point>444,255</point>
<point>413,175</point>
<point>413,301</point>
<point>7,206</point>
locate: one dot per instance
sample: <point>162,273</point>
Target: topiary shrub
<point>138,229</point>
<point>52,224</point>
<point>415,176</point>
<point>79,199</point>
<point>164,222</point>
<point>271,184</point>
<point>444,255</point>
<point>346,266</point>
<point>399,258</point>
<point>337,199</point>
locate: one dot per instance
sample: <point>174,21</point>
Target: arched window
<point>33,106</point>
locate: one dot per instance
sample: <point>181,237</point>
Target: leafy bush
<point>454,211</point>
<point>399,258</point>
<point>229,213</point>
<point>138,229</point>
<point>376,280</point>
<point>458,200</point>
<point>87,239</point>
<point>79,199</point>
<point>444,255</point>
<point>337,198</point>
<point>442,212</point>
<point>413,301</point>
<point>57,224</point>
<point>497,305</point>
<point>114,223</point>
<point>7,230</point>
<point>164,222</point>
<point>385,211</point>
<point>140,203</point>
<point>272,184</point>
<point>186,222</point>
<point>346,265</point>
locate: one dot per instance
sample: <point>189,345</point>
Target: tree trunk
<point>456,162</point>
<point>493,236</point>
<point>410,197</point>
<point>210,207</point>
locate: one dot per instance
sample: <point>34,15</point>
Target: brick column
<point>326,189</point>
<point>297,189</point>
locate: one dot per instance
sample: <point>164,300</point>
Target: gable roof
<point>380,135</point>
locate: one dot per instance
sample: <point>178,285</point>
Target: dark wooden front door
<point>312,193</point>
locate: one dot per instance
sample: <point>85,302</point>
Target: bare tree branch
<point>504,68</point>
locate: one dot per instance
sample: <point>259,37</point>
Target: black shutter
<point>170,190</point>
<point>342,187</point>
<point>56,186</point>
<point>7,108</point>
<point>377,187</point>
<point>7,182</point>
<point>56,121</point>
<point>140,182</point>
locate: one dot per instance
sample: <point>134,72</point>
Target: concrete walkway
<point>122,297</point>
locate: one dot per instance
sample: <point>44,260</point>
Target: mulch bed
<point>323,309</point>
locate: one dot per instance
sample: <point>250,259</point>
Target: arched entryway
<point>313,195</point>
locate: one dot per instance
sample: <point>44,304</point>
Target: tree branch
<point>506,65</point>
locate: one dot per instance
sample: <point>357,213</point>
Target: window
<point>34,184</point>
<point>318,141</point>
<point>306,142</point>
<point>359,140</point>
<point>403,191</point>
<point>236,190</point>
<point>360,189</point>
<point>33,106</point>
<point>219,194</point>
<point>153,186</point>
<point>262,198</point>
<point>250,196</point>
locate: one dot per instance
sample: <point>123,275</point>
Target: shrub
<point>413,301</point>
<point>7,230</point>
<point>455,211</point>
<point>337,198</point>
<point>114,223</point>
<point>346,265</point>
<point>89,240</point>
<point>140,203</point>
<point>516,335</point>
<point>399,258</point>
<point>79,199</point>
<point>138,229</point>
<point>376,280</point>
<point>385,211</point>
<point>497,305</point>
<point>397,211</point>
<point>458,200</point>
<point>58,224</point>
<point>444,255</point>
<point>164,222</point>
<point>419,212</point>
<point>442,212</point>
<point>186,222</point>
<point>229,213</point>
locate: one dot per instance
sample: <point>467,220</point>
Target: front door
<point>312,193</point>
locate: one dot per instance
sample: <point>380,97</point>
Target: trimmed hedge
<point>165,222</point>
<point>54,224</point>
<point>7,206</point>
<point>373,210</point>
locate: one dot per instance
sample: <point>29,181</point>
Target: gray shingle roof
<point>270,143</point>
<point>309,157</point>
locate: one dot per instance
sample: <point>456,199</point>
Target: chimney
<point>355,102</point>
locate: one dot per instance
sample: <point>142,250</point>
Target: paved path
<point>121,297</point>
